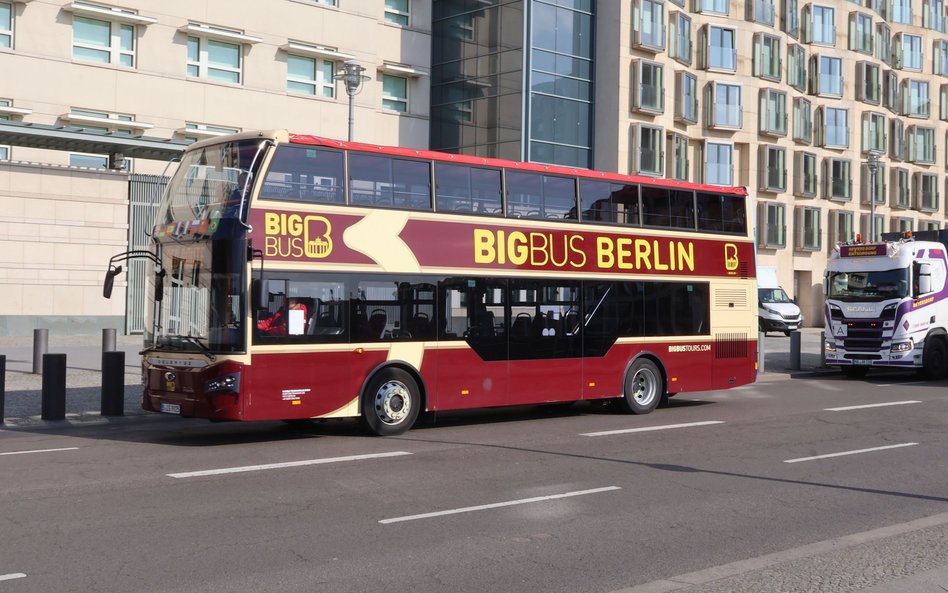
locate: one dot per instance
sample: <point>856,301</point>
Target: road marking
<point>847,408</point>
<point>650,428</point>
<point>828,455</point>
<point>496,505</point>
<point>254,468</point>
<point>901,384</point>
<point>11,576</point>
<point>39,451</point>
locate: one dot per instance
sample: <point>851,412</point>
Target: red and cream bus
<point>300,277</point>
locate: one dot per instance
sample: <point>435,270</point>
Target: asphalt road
<point>805,483</point>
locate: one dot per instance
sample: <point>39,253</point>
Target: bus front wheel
<point>644,387</point>
<point>391,402</point>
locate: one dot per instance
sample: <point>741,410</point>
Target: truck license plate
<point>170,408</point>
<point>862,362</point>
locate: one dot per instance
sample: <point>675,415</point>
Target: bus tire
<point>390,403</point>
<point>644,387</point>
<point>854,372</point>
<point>935,358</point>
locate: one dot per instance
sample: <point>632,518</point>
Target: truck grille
<point>865,334</point>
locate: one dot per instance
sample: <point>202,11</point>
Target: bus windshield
<point>202,305</point>
<point>869,286</point>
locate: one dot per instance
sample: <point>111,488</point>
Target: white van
<point>776,312</point>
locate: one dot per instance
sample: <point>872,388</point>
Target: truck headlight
<point>830,346</point>
<point>904,346</point>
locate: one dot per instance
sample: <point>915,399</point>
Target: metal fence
<point>144,196</point>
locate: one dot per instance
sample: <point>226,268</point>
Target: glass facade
<point>481,61</point>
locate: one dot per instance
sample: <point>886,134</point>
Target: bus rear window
<point>305,174</point>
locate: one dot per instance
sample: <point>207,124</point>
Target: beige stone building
<point>175,70</point>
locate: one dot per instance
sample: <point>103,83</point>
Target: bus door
<point>545,341</point>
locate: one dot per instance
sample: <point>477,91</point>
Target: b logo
<point>731,260</point>
<point>317,242</point>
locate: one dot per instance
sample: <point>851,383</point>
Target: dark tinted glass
<point>603,201</point>
<point>388,182</point>
<point>306,174</point>
<point>668,208</point>
<point>468,189</point>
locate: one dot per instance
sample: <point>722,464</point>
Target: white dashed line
<point>866,406</point>
<point>254,468</point>
<point>650,428</point>
<point>11,576</point>
<point>827,456</point>
<point>39,451</point>
<point>496,505</point>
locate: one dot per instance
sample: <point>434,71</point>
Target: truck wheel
<point>644,388</point>
<point>390,403</point>
<point>854,372</point>
<point>935,359</point>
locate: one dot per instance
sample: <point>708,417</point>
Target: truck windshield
<point>869,286</point>
<point>772,295</point>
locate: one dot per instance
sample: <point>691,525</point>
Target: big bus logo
<point>731,261</point>
<point>294,235</point>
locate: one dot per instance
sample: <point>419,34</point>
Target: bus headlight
<point>904,346</point>
<point>226,383</point>
<point>830,346</point>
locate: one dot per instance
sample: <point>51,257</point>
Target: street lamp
<point>352,75</point>
<point>872,163</point>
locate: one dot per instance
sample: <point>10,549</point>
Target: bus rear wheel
<point>644,388</point>
<point>935,359</point>
<point>390,403</point>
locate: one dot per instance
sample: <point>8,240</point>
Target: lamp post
<point>872,163</point>
<point>352,76</point>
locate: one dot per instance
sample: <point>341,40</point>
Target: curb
<point>75,420</point>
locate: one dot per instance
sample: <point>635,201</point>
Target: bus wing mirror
<point>110,281</point>
<point>924,279</point>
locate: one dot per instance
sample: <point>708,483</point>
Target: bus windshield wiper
<point>207,351</point>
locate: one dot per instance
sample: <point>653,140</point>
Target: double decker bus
<point>298,277</point>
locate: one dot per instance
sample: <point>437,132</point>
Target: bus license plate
<point>170,408</point>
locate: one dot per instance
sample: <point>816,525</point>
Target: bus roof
<point>502,163</point>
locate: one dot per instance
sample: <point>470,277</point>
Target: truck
<point>776,312</point>
<point>886,304</point>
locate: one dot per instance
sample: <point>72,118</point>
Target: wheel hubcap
<point>393,402</point>
<point>644,386</point>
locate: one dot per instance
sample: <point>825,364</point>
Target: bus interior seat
<point>522,326</point>
<point>377,321</point>
<point>420,326</point>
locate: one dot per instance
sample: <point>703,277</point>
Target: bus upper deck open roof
<point>283,136</point>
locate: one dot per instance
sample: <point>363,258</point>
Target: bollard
<point>823,349</point>
<point>760,351</point>
<point>3,384</point>
<point>40,347</point>
<point>113,383</point>
<point>54,387</point>
<point>795,351</point>
<point>108,340</point>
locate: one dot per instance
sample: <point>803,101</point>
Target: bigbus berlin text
<point>538,249</point>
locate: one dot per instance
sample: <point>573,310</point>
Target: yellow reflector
<point>297,402</point>
<point>674,379</point>
<point>592,384</point>
<point>465,392</point>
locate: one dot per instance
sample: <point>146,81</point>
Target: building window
<point>873,187</point>
<point>686,97</point>
<point>310,76</point>
<point>678,154</point>
<point>6,26</point>
<point>717,49</point>
<point>832,126</point>
<point>884,43</point>
<point>773,112</point>
<point>679,37</point>
<point>761,11</point>
<point>805,174</point>
<point>767,60</point>
<point>890,91</point>
<point>326,2</point>
<point>873,132</point>
<point>843,231</point>
<point>395,93</point>
<point>649,155</point>
<point>908,51</point>
<point>860,32</point>
<point>868,83</point>
<point>933,15</point>
<point>772,170</point>
<point>902,224</point>
<point>826,76</point>
<point>105,42</point>
<point>926,191</point>
<point>921,145</point>
<point>193,132</point>
<point>940,52</point>
<point>901,197</point>
<point>723,105</point>
<point>879,226</point>
<point>796,67</point>
<point>775,229</point>
<point>712,6</point>
<point>791,18</point>
<point>648,25</point>
<point>809,228</point>
<point>930,225</point>
<point>214,59</point>
<point>802,120</point>
<point>819,24</point>
<point>896,139</point>
<point>648,87</point>
<point>838,177</point>
<point>915,101</point>
<point>900,11</point>
<point>4,150</point>
<point>717,163</point>
<point>397,12</point>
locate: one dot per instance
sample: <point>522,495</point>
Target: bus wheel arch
<point>644,386</point>
<point>392,398</point>
<point>935,356</point>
